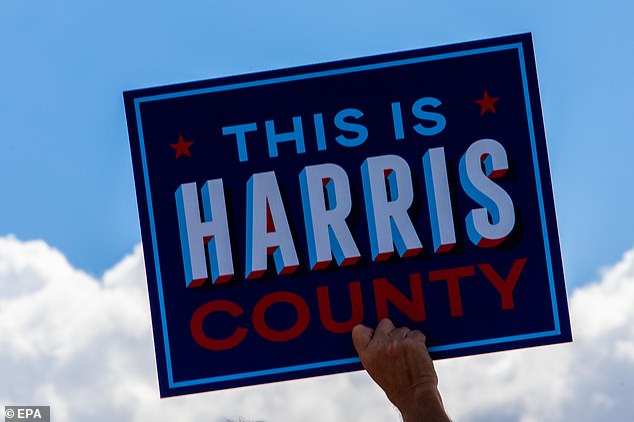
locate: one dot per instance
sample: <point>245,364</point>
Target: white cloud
<point>84,346</point>
<point>590,379</point>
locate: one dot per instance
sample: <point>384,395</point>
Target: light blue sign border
<point>319,74</point>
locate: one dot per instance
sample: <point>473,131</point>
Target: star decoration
<point>487,103</point>
<point>182,147</point>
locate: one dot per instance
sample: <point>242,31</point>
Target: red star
<point>487,103</point>
<point>182,147</point>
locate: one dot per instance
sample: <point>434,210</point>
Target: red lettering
<point>196,325</point>
<point>505,287</point>
<point>387,297</point>
<point>325,310</point>
<point>385,291</point>
<point>453,276</point>
<point>260,325</point>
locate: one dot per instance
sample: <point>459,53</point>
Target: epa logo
<point>27,413</point>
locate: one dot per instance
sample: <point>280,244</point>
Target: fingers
<point>399,333</point>
<point>417,335</point>
<point>384,328</point>
<point>385,331</point>
<point>361,336</point>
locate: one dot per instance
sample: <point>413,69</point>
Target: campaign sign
<point>280,209</point>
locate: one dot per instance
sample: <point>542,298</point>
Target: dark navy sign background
<point>258,137</point>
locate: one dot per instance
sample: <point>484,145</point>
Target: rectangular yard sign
<point>280,209</point>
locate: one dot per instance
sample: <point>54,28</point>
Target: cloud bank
<point>83,345</point>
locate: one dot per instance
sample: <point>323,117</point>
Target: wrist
<point>423,403</point>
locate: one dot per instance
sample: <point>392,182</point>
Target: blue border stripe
<point>490,341</point>
<point>312,75</point>
<point>341,362</point>
<point>325,73</point>
<point>540,194</point>
<point>265,372</point>
<point>159,281</point>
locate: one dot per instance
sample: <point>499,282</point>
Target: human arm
<point>398,361</point>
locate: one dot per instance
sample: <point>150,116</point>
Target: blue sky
<point>66,170</point>
<point>74,318</point>
<point>66,166</point>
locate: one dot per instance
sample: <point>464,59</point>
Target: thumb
<point>361,336</point>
